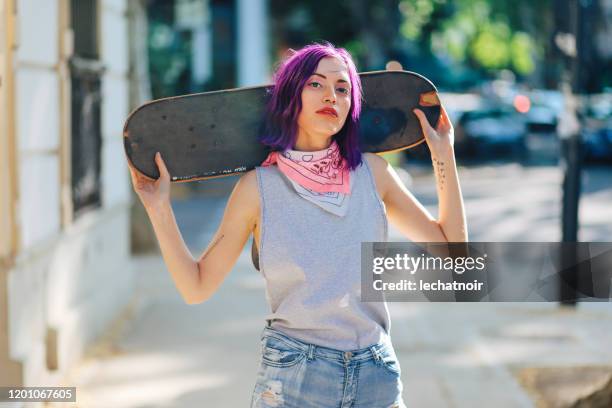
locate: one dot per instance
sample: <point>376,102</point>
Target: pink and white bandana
<point>321,177</point>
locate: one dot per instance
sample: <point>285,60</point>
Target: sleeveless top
<point>311,262</point>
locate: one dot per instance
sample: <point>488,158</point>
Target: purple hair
<point>280,126</point>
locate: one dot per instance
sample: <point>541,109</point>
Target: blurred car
<point>597,140</point>
<point>491,131</point>
<point>596,130</point>
<point>598,106</point>
<point>551,98</point>
<point>545,109</point>
<point>541,119</point>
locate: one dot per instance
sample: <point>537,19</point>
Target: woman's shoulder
<point>246,193</point>
<point>378,167</point>
<point>247,184</point>
<point>377,164</point>
<point>375,161</point>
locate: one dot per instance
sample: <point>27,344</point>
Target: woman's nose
<point>330,97</point>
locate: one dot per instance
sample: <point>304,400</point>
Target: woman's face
<point>328,87</point>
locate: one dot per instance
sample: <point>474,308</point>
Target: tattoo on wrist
<point>439,172</point>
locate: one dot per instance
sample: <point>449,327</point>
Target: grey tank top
<point>311,262</point>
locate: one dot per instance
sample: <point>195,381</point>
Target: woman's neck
<point>310,143</point>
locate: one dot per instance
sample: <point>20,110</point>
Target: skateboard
<point>214,134</point>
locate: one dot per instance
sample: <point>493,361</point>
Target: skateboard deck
<point>214,134</point>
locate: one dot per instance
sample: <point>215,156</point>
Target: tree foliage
<point>482,35</point>
<point>486,34</point>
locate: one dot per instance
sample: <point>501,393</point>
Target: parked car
<point>597,140</point>
<point>546,107</point>
<point>596,127</point>
<point>491,131</point>
<point>541,119</point>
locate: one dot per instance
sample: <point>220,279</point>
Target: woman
<point>309,206</point>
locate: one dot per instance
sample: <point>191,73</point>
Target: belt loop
<point>375,353</point>
<point>310,351</point>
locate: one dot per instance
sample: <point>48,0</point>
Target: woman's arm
<point>177,257</point>
<point>239,219</point>
<point>451,211</point>
<point>197,281</point>
<point>405,211</point>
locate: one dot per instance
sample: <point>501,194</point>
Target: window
<point>85,77</point>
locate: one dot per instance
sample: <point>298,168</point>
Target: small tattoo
<point>439,172</point>
<point>214,244</point>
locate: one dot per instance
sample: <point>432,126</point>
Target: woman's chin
<point>329,130</point>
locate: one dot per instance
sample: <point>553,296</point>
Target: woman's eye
<point>343,90</point>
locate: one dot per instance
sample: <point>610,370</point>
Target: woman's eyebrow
<point>323,76</point>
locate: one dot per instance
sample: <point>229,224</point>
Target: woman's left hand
<point>440,140</point>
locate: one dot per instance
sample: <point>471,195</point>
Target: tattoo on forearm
<point>439,172</point>
<point>214,244</point>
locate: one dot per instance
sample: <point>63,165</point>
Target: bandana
<point>321,177</point>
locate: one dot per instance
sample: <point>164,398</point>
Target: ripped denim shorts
<point>295,374</point>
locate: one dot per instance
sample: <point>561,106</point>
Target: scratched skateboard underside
<point>214,134</point>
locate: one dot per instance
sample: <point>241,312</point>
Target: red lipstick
<point>328,111</point>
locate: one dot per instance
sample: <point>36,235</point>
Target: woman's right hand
<point>152,193</point>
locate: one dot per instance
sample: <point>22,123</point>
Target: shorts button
<point>347,355</point>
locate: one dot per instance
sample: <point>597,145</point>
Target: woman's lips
<point>327,113</point>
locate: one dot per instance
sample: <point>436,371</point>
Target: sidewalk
<point>164,353</point>
<point>170,354</point>
<point>452,355</point>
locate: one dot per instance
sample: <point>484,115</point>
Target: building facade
<point>64,190</point>
<point>70,73</point>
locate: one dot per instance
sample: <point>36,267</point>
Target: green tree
<point>368,29</point>
<point>485,34</point>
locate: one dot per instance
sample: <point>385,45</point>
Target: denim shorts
<point>295,374</point>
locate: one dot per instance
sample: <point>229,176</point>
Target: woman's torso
<point>256,229</point>
<point>311,261</point>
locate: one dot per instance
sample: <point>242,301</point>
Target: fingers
<point>419,114</point>
<point>163,170</point>
<point>423,119</point>
<point>133,173</point>
<point>444,115</point>
<point>445,119</point>
<point>138,179</point>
